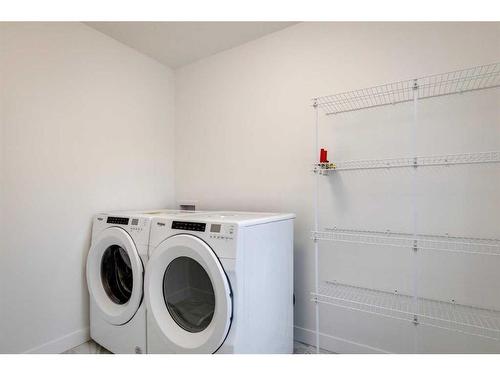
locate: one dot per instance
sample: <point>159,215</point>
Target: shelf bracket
<point>314,237</point>
<point>415,84</point>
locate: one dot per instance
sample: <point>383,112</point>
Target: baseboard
<point>334,344</point>
<point>62,344</point>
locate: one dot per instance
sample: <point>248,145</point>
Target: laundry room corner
<point>86,125</point>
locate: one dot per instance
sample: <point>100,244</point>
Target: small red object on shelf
<point>322,156</point>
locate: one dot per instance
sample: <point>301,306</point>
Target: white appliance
<point>220,282</point>
<point>115,272</point>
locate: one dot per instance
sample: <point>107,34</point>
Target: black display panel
<point>117,220</point>
<point>188,225</point>
<point>215,228</point>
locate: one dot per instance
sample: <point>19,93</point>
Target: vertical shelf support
<point>316,203</point>
<point>414,212</point>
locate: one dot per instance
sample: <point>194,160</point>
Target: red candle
<point>323,156</point>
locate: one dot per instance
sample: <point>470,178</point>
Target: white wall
<point>86,125</point>
<point>244,141</point>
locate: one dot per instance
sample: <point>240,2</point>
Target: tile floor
<point>91,347</point>
<point>303,348</point>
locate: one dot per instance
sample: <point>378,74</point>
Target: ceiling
<point>180,43</point>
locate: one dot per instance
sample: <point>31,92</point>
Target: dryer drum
<point>188,294</point>
<point>116,274</point>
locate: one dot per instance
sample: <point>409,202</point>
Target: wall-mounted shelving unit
<point>417,161</point>
<point>467,319</point>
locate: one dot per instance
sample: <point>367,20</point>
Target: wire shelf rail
<point>451,316</point>
<point>487,157</point>
<point>464,245</point>
<point>459,81</point>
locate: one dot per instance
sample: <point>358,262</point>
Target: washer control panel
<point>130,224</point>
<point>137,225</point>
<point>117,220</point>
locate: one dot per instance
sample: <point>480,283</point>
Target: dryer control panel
<point>215,230</point>
<point>189,225</point>
<point>222,231</point>
<point>220,236</point>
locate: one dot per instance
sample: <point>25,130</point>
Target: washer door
<point>115,275</point>
<point>188,295</point>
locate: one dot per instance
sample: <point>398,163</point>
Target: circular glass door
<point>188,297</point>
<point>188,294</point>
<point>116,274</point>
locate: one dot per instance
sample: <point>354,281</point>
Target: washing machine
<point>220,282</point>
<point>115,273</point>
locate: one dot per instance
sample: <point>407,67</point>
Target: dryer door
<point>188,295</point>
<point>115,275</point>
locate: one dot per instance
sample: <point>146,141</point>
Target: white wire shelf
<point>464,245</point>
<point>476,78</point>
<point>418,161</point>
<point>451,316</point>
